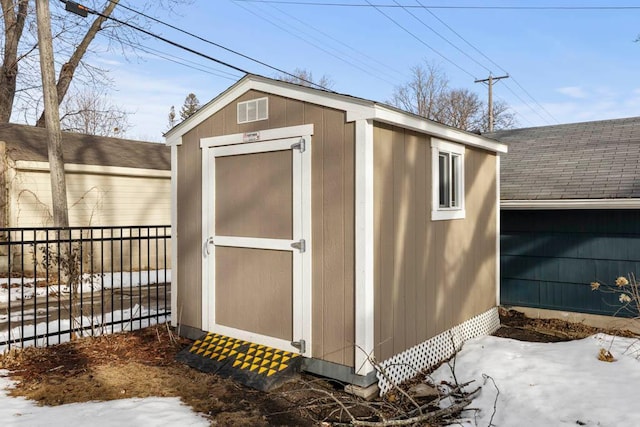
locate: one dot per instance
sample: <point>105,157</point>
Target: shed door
<point>257,244</point>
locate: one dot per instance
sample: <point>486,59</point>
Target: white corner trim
<point>175,140</point>
<point>498,230</point>
<point>364,248</point>
<point>257,136</point>
<point>28,165</point>
<point>570,204</point>
<point>174,236</point>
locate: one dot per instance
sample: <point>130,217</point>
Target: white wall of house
<point>97,195</point>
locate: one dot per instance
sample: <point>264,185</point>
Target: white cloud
<point>573,91</point>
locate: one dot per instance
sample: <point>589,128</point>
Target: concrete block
<point>367,393</point>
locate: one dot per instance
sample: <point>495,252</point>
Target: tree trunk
<point>69,68</point>
<point>52,117</point>
<point>13,26</point>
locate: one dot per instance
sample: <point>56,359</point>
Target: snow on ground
<point>11,289</point>
<point>540,384</point>
<point>14,291</point>
<point>148,412</point>
<point>550,384</point>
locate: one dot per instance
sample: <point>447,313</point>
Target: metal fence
<point>60,283</point>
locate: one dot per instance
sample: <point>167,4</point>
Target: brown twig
<point>453,409</point>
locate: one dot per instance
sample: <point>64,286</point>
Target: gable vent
<point>254,110</point>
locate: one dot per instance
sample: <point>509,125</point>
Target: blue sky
<point>577,65</point>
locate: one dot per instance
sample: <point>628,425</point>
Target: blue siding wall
<point>549,258</point>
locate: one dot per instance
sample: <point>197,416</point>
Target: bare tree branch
<point>69,68</point>
<point>427,94</point>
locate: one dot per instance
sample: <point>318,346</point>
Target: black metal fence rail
<point>61,283</point>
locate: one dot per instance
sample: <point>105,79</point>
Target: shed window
<point>254,110</point>
<point>448,180</point>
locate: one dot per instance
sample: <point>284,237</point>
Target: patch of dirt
<point>515,325</point>
<point>142,364</point>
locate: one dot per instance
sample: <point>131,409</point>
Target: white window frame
<point>452,150</point>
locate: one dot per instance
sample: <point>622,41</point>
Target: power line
<point>341,42</point>
<point>443,37</point>
<point>534,100</point>
<point>490,60</point>
<point>527,104</point>
<point>423,42</point>
<point>188,49</point>
<point>328,52</point>
<point>461,37</point>
<point>214,44</point>
<point>182,61</point>
<point>391,6</point>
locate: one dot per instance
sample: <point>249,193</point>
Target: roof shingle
<point>590,160</point>
<point>25,142</point>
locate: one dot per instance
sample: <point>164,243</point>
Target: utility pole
<point>489,82</point>
<point>52,116</point>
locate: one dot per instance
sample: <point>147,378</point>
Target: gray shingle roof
<point>591,160</point>
<point>30,143</point>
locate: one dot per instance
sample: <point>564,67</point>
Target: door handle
<point>205,247</point>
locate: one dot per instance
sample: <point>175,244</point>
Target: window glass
<point>455,175</point>
<point>444,179</point>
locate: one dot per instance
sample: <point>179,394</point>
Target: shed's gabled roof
<point>591,160</point>
<point>29,143</point>
<point>356,109</point>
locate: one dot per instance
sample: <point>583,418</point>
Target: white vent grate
<point>410,362</point>
<point>254,110</point>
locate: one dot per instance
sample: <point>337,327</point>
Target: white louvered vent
<point>254,110</point>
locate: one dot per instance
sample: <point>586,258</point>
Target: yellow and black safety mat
<point>254,365</point>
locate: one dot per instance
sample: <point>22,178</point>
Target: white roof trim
<point>328,99</point>
<point>391,116</point>
<point>571,204</point>
<point>356,109</point>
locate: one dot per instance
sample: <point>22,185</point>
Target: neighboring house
<point>333,226</point>
<point>110,181</point>
<point>570,213</point>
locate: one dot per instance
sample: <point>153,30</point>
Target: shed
<point>333,226</point>
<point>110,181</point>
<point>570,210</point>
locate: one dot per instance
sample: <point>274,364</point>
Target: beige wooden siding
<point>332,205</point>
<point>189,231</point>
<point>93,199</point>
<point>429,275</point>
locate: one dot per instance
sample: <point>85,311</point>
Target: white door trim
<point>302,275</point>
<point>261,135</point>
